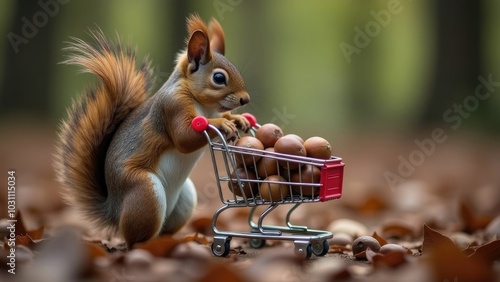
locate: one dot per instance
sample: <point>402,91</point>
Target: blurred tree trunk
<point>458,60</point>
<point>28,61</point>
<point>178,23</point>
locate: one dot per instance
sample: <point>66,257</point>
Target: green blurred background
<point>418,62</point>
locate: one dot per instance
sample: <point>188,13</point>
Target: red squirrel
<point>124,158</point>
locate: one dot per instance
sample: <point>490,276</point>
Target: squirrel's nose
<point>244,100</point>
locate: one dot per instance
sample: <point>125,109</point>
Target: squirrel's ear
<point>198,50</point>
<point>217,36</point>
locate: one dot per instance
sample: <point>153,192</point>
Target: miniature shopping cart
<point>234,192</point>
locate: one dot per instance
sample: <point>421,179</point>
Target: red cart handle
<point>200,123</point>
<point>251,119</point>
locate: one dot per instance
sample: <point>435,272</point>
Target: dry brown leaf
<point>380,240</point>
<point>361,255</point>
<point>36,234</point>
<point>24,240</point>
<point>488,252</point>
<point>473,222</point>
<point>391,259</point>
<point>470,250</point>
<point>221,272</point>
<point>448,262</point>
<point>159,247</point>
<point>25,237</point>
<point>200,239</point>
<point>338,249</point>
<point>202,225</point>
<point>434,240</point>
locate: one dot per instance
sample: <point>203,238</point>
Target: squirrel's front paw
<point>241,123</point>
<point>229,129</point>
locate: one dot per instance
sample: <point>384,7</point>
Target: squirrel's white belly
<point>172,172</point>
<point>174,168</point>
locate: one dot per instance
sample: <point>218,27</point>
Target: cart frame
<point>307,241</point>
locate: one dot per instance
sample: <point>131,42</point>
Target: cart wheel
<point>320,248</point>
<point>303,249</point>
<point>221,246</point>
<point>257,243</point>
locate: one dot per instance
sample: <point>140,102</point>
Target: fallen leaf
<point>391,259</point>
<point>159,247</point>
<point>361,255</point>
<point>449,263</point>
<point>200,239</point>
<point>23,236</point>
<point>471,221</point>
<point>36,234</point>
<point>434,240</point>
<point>338,249</point>
<point>488,252</point>
<point>380,240</point>
<point>202,225</point>
<point>191,250</point>
<point>470,250</point>
<point>24,240</point>
<point>221,272</point>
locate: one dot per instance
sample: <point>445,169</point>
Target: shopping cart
<point>245,189</point>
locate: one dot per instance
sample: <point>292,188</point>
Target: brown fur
<point>109,152</point>
<point>85,136</point>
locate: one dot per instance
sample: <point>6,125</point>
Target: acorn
<point>248,188</point>
<point>248,158</point>
<point>274,192</point>
<point>318,147</point>
<point>267,166</point>
<point>268,134</point>
<point>291,146</point>
<point>362,243</point>
<point>306,174</point>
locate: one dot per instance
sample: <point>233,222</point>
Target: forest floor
<point>444,210</point>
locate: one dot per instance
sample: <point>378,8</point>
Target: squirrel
<point>123,158</point>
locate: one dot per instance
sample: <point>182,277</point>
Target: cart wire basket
<point>242,184</point>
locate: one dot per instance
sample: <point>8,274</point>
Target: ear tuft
<point>217,41</point>
<point>194,23</point>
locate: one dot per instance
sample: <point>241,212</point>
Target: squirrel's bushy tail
<point>85,136</point>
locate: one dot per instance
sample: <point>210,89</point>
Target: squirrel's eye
<point>219,78</point>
